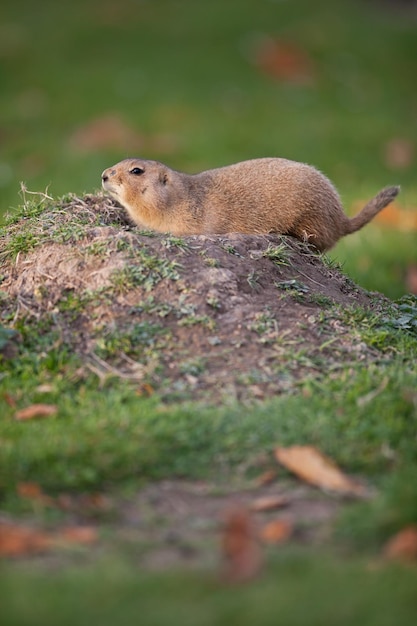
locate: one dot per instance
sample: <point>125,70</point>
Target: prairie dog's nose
<point>107,173</point>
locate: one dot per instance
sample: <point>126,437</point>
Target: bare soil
<point>182,523</point>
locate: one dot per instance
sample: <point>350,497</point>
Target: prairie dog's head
<point>142,187</point>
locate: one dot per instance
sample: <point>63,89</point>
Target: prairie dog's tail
<point>374,206</point>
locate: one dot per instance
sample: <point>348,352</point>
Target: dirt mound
<point>232,316</point>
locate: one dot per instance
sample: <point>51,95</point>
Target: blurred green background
<point>203,83</point>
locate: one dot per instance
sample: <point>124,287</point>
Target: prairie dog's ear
<point>163,177</point>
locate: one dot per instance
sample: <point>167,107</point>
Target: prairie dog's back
<point>269,195</point>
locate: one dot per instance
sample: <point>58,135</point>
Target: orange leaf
<point>313,467</point>
<point>36,410</point>
<point>18,540</point>
<point>8,398</point>
<point>240,547</point>
<point>283,60</point>
<point>33,491</point>
<point>269,503</point>
<point>403,545</point>
<point>277,531</point>
<point>145,390</point>
<point>267,477</point>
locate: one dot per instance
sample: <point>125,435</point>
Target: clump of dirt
<point>212,317</point>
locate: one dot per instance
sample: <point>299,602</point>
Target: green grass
<point>368,525</point>
<point>297,586</point>
<point>102,437</point>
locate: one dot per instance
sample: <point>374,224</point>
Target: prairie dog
<point>270,195</point>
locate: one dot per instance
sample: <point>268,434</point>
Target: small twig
<point>308,277</point>
<point>24,190</point>
<point>104,369</point>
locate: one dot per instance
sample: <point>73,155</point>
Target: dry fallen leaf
<point>277,531</point>
<point>8,398</point>
<point>36,410</point>
<point>29,490</point>
<point>33,491</point>
<point>283,60</point>
<point>242,558</point>
<point>145,390</point>
<point>16,540</point>
<point>312,466</point>
<point>266,478</point>
<point>269,503</point>
<point>19,540</point>
<point>403,545</point>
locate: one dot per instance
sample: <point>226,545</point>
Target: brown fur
<point>258,196</point>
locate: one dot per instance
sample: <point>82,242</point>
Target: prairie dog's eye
<point>137,171</point>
